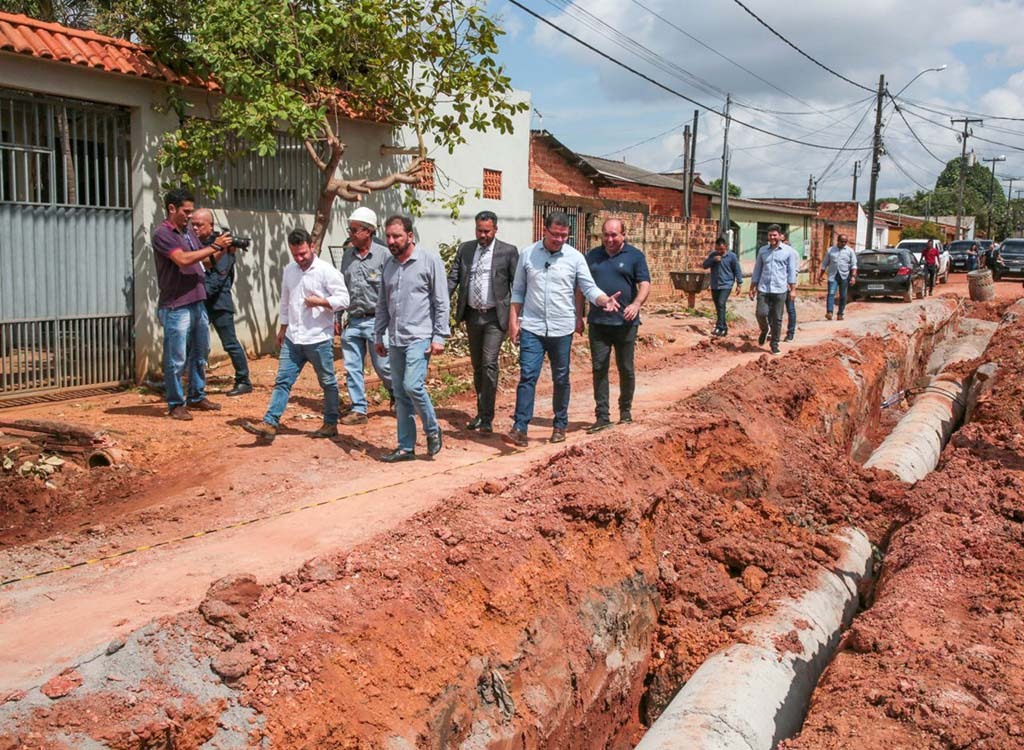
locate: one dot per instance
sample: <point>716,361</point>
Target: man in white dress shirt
<point>312,291</point>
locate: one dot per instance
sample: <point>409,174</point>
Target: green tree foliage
<point>299,66</point>
<point>925,231</point>
<point>80,14</point>
<point>735,191</point>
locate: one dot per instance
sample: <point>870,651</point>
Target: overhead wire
<point>906,122</point>
<point>667,89</point>
<point>910,110</point>
<point>820,64</point>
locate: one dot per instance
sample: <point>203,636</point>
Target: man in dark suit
<point>483,272</point>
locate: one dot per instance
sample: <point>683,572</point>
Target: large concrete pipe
<point>912,450</point>
<point>751,695</point>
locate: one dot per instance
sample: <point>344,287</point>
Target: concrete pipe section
<point>751,695</point>
<point>912,450</point>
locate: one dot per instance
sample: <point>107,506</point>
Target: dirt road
<point>208,475</point>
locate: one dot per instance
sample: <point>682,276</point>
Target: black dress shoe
<point>240,389</point>
<point>601,424</point>
<point>789,337</point>
<point>398,455</point>
<point>486,428</point>
<point>474,423</point>
<point>762,338</point>
<point>433,443</point>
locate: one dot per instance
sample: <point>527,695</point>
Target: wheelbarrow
<point>691,282</point>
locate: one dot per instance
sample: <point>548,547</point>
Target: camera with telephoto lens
<point>241,243</point>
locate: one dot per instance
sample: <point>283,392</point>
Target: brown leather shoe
<point>354,417</point>
<point>516,438</point>
<point>205,405</point>
<point>261,430</point>
<point>326,431</point>
<point>180,412</point>
<point>557,436</point>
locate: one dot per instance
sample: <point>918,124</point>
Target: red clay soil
<point>560,610</point>
<point>938,659</point>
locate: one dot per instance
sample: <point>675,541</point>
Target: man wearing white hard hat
<point>361,265</point>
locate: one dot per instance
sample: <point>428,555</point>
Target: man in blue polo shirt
<point>616,267</point>
<point>773,282</point>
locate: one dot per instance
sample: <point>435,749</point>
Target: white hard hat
<point>364,215</point>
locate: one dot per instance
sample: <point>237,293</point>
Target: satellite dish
<point>889,207</point>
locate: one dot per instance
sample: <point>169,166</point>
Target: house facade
<point>80,193</point>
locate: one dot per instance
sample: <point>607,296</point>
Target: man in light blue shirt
<point>544,317</point>
<point>773,282</point>
<point>412,308</point>
<point>840,267</point>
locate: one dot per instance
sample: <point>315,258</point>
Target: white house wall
<point>259,270</point>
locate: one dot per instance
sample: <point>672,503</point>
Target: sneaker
<point>828,316</point>
<point>354,417</point>
<point>205,405</point>
<point>717,332</point>
<point>789,337</point>
<point>603,423</point>
<point>625,418</point>
<point>557,435</point>
<point>180,412</point>
<point>240,389</point>
<point>474,423</point>
<point>775,349</point>
<point>516,438</point>
<point>261,430</point>
<point>398,455</point>
<point>762,337</point>
<point>434,443</point>
<point>326,431</point>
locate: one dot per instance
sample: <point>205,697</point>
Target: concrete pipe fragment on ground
<point>753,694</point>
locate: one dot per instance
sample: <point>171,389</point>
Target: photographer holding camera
<point>220,275</point>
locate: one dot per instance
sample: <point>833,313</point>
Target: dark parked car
<point>958,258</point>
<point>1008,260</point>
<point>888,273</point>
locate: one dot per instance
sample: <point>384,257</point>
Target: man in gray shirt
<point>840,267</point>
<point>413,310</point>
<point>543,319</point>
<point>362,265</point>
<point>773,281</point>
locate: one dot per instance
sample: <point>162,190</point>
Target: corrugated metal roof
<point>51,41</point>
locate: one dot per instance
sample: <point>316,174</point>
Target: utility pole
<point>810,189</point>
<point>876,166</point>
<point>1009,198</point>
<point>693,164</point>
<point>723,222</point>
<point>991,189</point>
<point>856,173</point>
<point>1016,221</point>
<point>686,172</point>
<point>967,132</point>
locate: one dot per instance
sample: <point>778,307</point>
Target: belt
<point>361,315</point>
<point>482,309</point>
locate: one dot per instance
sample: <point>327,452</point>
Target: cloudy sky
<point>705,50</point>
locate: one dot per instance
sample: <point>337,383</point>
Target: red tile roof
<point>51,41</point>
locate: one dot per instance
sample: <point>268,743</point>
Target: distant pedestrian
<point>413,311</point>
<point>362,265</point>
<point>220,307</point>
<point>482,273</point>
<point>790,302</point>
<point>616,266</point>
<point>972,257</point>
<point>312,291</point>
<point>181,307</point>
<point>840,267</point>
<point>725,272</point>
<point>543,318</point>
<point>773,282</point>
<point>931,266</point>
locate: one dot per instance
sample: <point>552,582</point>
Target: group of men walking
<point>397,299</point>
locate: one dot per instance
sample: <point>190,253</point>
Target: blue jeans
<point>532,349</point>
<point>186,349</point>
<point>356,339</point>
<point>409,378</point>
<point>224,324</point>
<point>290,362</point>
<point>835,283</point>
<point>721,297</point>
<point>790,316</point>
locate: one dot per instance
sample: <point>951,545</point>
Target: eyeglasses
<point>353,230</point>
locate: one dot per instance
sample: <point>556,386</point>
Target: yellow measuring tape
<point>246,522</point>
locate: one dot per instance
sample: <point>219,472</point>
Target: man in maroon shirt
<point>181,309</point>
<point>931,266</point>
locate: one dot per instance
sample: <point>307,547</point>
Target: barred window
<point>287,181</point>
<point>63,152</point>
<point>492,184</point>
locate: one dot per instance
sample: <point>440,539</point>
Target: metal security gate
<point>65,245</point>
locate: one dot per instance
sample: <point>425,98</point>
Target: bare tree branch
<point>311,150</point>
<point>354,190</point>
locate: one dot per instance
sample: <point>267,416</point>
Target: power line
<point>821,65</point>
<point>665,88</point>
<point>910,110</point>
<point>899,111</point>
<point>849,105</point>
<point>946,113</point>
<point>672,129</point>
<point>824,174</point>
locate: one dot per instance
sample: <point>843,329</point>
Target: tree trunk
<point>322,217</point>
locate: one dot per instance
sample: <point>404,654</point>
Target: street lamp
<point>876,151</point>
<point>991,188</point>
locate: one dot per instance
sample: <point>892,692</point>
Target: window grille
<point>287,181</point>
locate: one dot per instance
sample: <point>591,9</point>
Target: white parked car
<point>917,248</point>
